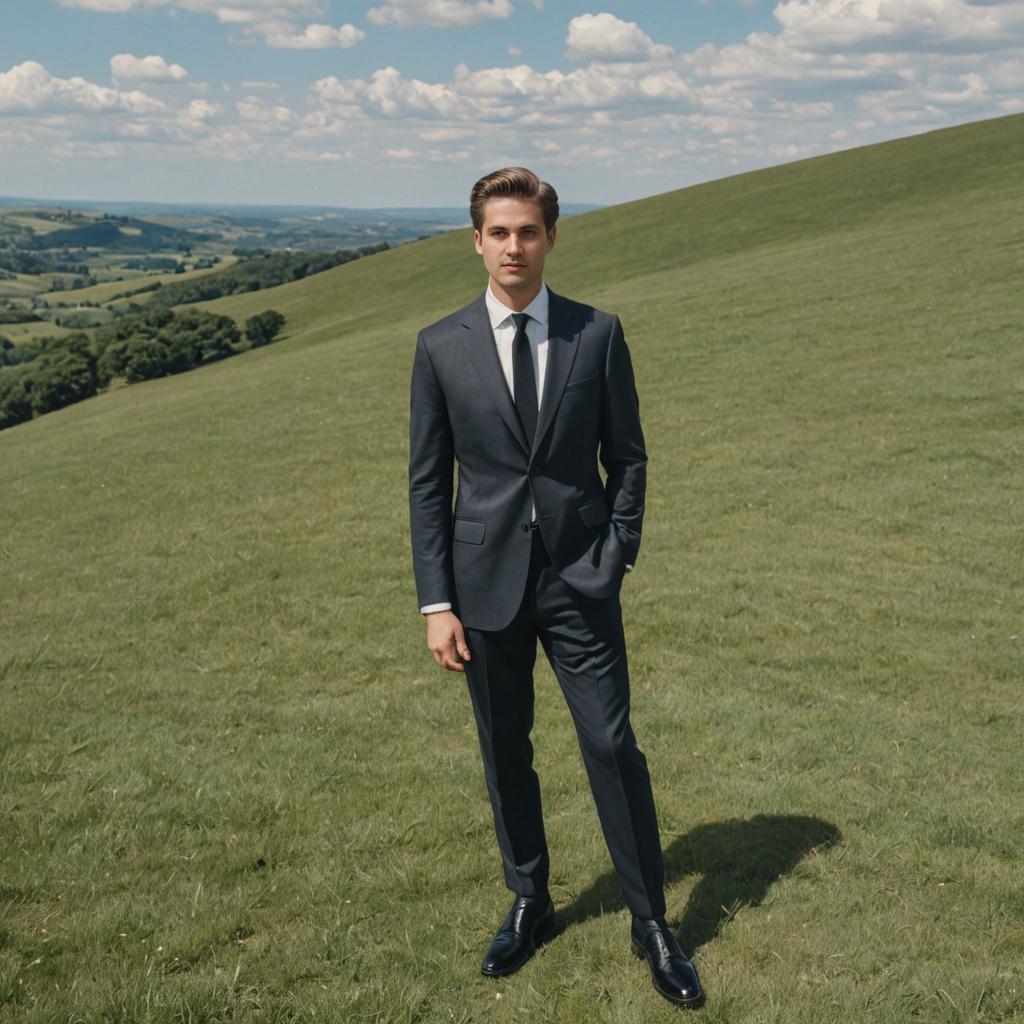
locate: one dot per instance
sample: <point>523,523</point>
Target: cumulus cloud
<point>106,6</point>
<point>316,37</point>
<point>193,118</point>
<point>275,21</point>
<point>30,87</point>
<point>128,67</point>
<point>439,13</point>
<point>605,37</point>
<point>201,110</point>
<point>497,95</point>
<point>389,93</point>
<point>262,117</point>
<point>907,25</point>
<point>232,12</point>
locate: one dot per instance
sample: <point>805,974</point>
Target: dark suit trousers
<point>584,643</point>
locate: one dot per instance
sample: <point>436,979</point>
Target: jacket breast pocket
<point>581,383</point>
<point>469,531</point>
<point>594,513</point>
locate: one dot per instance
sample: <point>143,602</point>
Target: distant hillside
<point>119,234</point>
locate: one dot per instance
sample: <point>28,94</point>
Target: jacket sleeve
<point>622,451</point>
<point>431,465</point>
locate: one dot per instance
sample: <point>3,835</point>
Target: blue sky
<point>406,102</point>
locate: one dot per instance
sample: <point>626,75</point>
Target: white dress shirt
<point>504,329</point>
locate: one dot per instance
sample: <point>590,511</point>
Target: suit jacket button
<point>526,527</point>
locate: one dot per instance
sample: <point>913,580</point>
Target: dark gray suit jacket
<point>477,555</point>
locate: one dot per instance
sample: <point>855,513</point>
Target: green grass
<point>37,225</point>
<point>22,286</point>
<point>20,333</point>
<point>236,788</point>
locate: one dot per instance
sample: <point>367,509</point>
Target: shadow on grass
<point>737,860</point>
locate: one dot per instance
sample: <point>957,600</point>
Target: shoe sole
<point>541,931</point>
<point>687,1004</point>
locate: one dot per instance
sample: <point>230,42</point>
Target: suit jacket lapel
<point>563,344</point>
<point>482,351</point>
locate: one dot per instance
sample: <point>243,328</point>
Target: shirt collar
<point>498,312</point>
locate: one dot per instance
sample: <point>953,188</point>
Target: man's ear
<point>478,242</point>
<point>551,237</point>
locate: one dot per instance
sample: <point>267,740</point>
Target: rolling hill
<point>235,786</point>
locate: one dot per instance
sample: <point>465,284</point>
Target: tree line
<point>256,273</point>
<point>40,376</point>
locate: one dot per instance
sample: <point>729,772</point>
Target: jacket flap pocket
<point>594,513</point>
<point>468,530</point>
<point>581,382</point>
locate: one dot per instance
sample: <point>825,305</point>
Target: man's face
<point>514,243</point>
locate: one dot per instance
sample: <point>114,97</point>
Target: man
<point>528,390</point>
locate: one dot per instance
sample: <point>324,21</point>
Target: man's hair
<point>518,183</point>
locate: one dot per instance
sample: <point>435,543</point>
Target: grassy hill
<point>235,786</point>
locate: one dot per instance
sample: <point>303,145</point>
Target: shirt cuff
<point>442,606</point>
<point>629,568</point>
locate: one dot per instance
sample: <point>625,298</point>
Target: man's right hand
<point>447,641</point>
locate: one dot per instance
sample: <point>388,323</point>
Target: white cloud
<point>316,37</point>
<point>442,134</point>
<point>192,119</point>
<point>588,87</point>
<point>128,67</point>
<point>909,25</point>
<point>105,6</point>
<point>967,88</point>
<point>439,13</point>
<point>275,21</point>
<point>499,95</point>
<point>605,37</point>
<point>312,156</point>
<point>261,117</point>
<point>201,110</point>
<point>390,94</point>
<point>30,87</point>
<point>230,12</point>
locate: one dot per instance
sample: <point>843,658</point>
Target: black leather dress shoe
<point>673,975</point>
<point>529,920</point>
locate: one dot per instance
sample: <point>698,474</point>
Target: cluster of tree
<point>76,319</point>
<point>18,261</point>
<point>265,271</point>
<point>262,328</point>
<point>159,263</point>
<point>59,284</point>
<point>54,372</point>
<point>16,315</point>
<point>63,372</point>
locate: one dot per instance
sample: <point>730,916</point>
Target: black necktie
<point>525,391</point>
